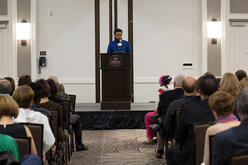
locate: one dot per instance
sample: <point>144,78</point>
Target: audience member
<point>24,96</point>
<point>230,84</point>
<point>8,143</point>
<point>12,81</point>
<point>195,112</point>
<point>24,80</point>
<point>234,140</point>
<point>8,111</point>
<point>164,81</point>
<point>164,100</point>
<point>240,74</point>
<point>222,104</point>
<point>170,122</point>
<point>36,87</point>
<point>74,118</point>
<point>5,87</point>
<point>243,83</point>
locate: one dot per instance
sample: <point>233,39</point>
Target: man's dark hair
<point>5,87</point>
<point>12,81</point>
<point>117,30</point>
<point>24,80</point>
<point>189,88</point>
<point>207,84</point>
<point>240,74</point>
<point>45,88</point>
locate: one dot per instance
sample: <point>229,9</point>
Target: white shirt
<point>29,116</point>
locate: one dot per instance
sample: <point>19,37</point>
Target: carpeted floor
<point>116,147</point>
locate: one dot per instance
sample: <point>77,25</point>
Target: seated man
<point>164,100</point>
<point>24,96</point>
<point>170,118</point>
<point>234,140</point>
<point>5,87</point>
<point>197,111</point>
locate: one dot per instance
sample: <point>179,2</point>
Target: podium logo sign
<point>115,61</point>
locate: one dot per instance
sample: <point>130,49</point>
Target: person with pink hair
<point>164,82</point>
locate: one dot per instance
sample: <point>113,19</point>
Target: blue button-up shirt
<point>114,48</point>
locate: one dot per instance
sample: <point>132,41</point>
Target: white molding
<point>204,37</point>
<point>34,63</point>
<point>238,16</point>
<point>4,18</point>
<point>91,81</point>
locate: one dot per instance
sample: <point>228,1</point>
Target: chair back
<point>211,148</point>
<point>73,102</point>
<point>238,159</point>
<point>54,123</point>
<point>66,106</point>
<point>24,145</point>
<point>200,132</point>
<point>37,131</point>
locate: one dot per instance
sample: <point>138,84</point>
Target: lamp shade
<point>214,29</point>
<point>23,31</point>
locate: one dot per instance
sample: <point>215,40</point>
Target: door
<point>239,47</point>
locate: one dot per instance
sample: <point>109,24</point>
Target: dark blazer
<point>229,142</point>
<point>198,111</point>
<point>166,98</point>
<point>170,118</point>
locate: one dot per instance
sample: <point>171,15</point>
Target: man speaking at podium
<point>118,45</point>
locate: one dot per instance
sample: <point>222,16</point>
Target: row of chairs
<point>64,147</point>
<point>199,133</point>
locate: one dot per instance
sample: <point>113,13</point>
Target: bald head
<point>189,85</point>
<point>5,87</point>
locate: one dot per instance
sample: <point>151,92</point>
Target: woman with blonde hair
<point>229,83</point>
<point>243,83</point>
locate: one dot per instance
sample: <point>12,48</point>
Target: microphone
<point>119,43</point>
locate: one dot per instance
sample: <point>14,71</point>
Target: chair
<point>66,107</point>
<point>211,148</point>
<point>73,102</point>
<point>54,124</point>
<point>37,131</point>
<point>24,145</point>
<point>238,159</point>
<point>200,132</point>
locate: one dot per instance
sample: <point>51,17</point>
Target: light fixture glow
<point>214,29</point>
<point>23,31</point>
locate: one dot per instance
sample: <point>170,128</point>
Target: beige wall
<point>239,6</point>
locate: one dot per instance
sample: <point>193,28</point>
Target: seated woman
<point>164,82</point>
<point>8,143</point>
<point>8,111</point>
<point>24,95</point>
<point>222,104</point>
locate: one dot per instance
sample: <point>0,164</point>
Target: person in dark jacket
<point>183,153</point>
<point>164,100</point>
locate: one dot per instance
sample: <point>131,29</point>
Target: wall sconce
<point>23,32</point>
<point>214,30</point>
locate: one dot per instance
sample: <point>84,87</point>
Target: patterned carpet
<point>116,147</point>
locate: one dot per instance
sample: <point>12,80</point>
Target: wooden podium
<point>116,81</point>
